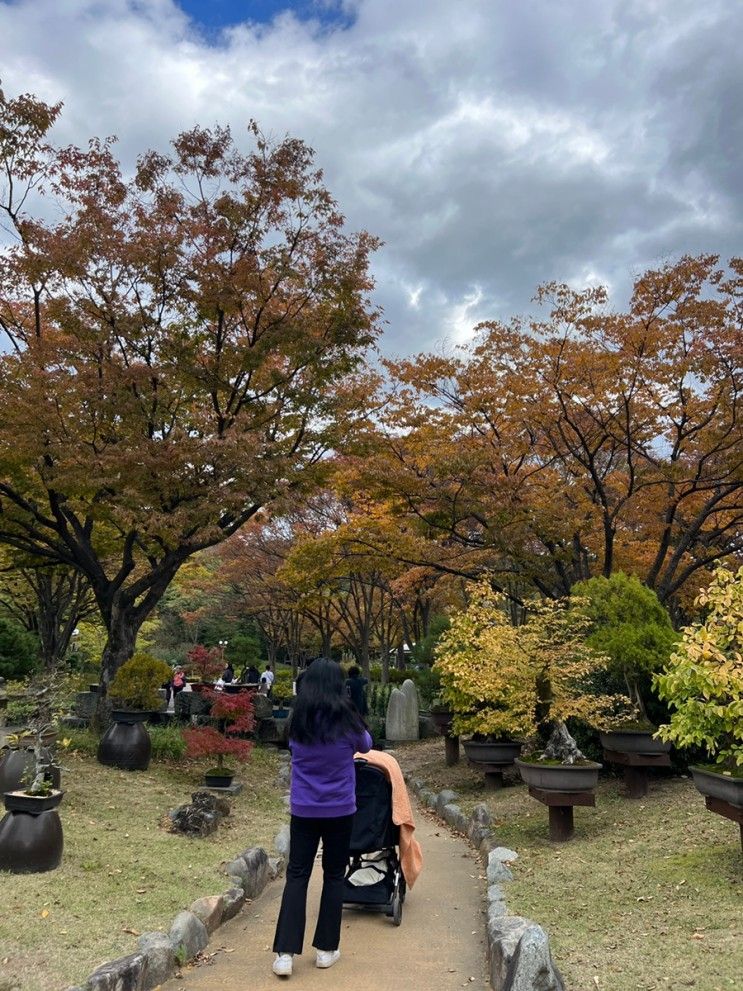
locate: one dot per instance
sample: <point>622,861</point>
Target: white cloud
<point>491,148</point>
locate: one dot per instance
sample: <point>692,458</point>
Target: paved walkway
<point>440,945</point>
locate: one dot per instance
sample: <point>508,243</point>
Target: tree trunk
<point>562,746</point>
<point>364,652</point>
<point>122,637</point>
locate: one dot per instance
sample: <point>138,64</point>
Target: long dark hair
<point>322,712</point>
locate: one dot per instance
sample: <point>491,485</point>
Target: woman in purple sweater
<point>324,734</point>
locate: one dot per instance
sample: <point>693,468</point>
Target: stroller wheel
<point>403,888</point>
<point>396,909</point>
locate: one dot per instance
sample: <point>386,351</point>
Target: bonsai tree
<point>47,702</point>
<point>703,679</point>
<point>631,628</point>
<point>137,683</point>
<point>205,662</point>
<point>505,680</point>
<point>282,686</point>
<point>230,716</point>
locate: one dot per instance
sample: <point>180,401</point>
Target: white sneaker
<point>326,958</point>
<point>282,965</point>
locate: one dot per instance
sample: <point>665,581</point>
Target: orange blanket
<point>411,857</point>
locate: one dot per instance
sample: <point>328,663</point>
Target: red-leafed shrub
<point>231,716</point>
<point>205,663</point>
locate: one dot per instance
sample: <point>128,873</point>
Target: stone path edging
<point>159,955</point>
<point>518,949</point>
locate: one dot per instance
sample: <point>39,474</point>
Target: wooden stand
<point>451,743</point>
<point>560,805</point>
<point>723,808</point>
<point>493,773</point>
<point>635,769</point>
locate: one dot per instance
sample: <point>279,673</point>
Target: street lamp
<point>222,645</point>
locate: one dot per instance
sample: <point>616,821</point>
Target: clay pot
<point>126,743</point>
<point>31,839</point>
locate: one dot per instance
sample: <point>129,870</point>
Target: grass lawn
<point>122,873</point>
<point>648,895</point>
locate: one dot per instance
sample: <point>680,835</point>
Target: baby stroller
<point>374,879</point>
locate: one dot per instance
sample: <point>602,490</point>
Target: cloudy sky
<point>492,144</point>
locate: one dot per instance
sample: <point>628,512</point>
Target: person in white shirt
<point>267,680</point>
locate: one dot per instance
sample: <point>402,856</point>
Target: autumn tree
<point>47,600</point>
<point>181,349</point>
<point>553,449</point>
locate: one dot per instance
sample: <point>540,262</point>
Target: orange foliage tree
<point>180,349</point>
<point>586,442</point>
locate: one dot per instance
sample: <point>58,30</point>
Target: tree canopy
<point>183,348</point>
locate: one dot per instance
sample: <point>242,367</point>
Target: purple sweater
<point>323,777</point>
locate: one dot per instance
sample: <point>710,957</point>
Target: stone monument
<point>402,713</point>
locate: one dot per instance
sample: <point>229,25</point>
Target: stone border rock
<point>159,955</point>
<point>518,949</point>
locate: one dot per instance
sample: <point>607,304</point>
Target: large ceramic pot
<point>632,741</point>
<point>126,743</point>
<point>722,786</point>
<point>492,752</point>
<point>560,777</point>
<point>31,833</point>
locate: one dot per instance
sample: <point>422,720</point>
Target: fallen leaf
<point>44,913</point>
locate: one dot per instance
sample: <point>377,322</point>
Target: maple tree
<point>550,450</point>
<point>230,716</point>
<point>183,348</point>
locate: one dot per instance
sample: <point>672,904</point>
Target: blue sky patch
<point>213,15</point>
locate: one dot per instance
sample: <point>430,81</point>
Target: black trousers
<point>305,836</point>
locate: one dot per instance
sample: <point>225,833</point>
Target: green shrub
<point>83,741</point>
<point>18,711</point>
<point>19,650</point>
<point>423,651</point>
<point>282,686</point>
<point>631,627</point>
<point>377,697</point>
<point>167,743</point>
<point>376,727</point>
<point>138,681</point>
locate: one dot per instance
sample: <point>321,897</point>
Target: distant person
<point>324,733</point>
<point>251,675</point>
<point>355,686</point>
<point>228,675</point>
<point>178,680</point>
<point>267,679</point>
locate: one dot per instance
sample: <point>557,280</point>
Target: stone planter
<point>631,741</point>
<point>126,743</point>
<point>31,839</point>
<point>560,777</point>
<point>492,752</point>
<point>713,785</point>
